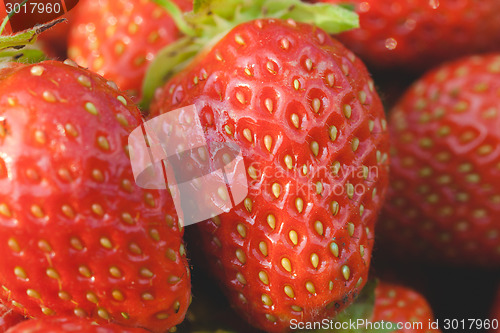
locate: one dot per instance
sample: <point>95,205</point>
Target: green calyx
<point>210,20</point>
<point>210,13</point>
<point>28,55</point>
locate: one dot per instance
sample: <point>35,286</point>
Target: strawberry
<point>119,38</point>
<point>77,237</point>
<point>8,318</point>
<point>312,133</point>
<point>444,195</point>
<point>69,324</point>
<point>402,306</point>
<point>413,35</point>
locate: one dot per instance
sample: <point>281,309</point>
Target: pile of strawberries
<point>331,181</point>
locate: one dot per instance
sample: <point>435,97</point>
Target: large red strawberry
<point>8,318</point>
<point>444,195</point>
<point>312,133</point>
<point>407,310</point>
<point>69,324</point>
<point>417,34</point>
<point>77,236</point>
<point>119,38</point>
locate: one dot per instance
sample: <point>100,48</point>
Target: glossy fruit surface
<point>444,195</point>
<point>119,38</point>
<point>401,305</point>
<point>74,325</point>
<point>414,34</point>
<point>77,236</point>
<point>312,132</point>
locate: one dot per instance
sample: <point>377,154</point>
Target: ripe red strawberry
<point>119,38</point>
<point>417,34</point>
<point>77,237</point>
<point>8,318</point>
<point>398,304</point>
<point>69,324</point>
<point>312,133</point>
<point>444,197</point>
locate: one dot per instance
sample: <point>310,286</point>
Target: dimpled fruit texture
<point>416,34</point>
<point>444,196</point>
<point>313,136</point>
<point>119,38</point>
<point>77,236</point>
<point>398,304</point>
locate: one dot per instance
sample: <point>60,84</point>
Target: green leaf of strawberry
<point>210,20</point>
<point>26,37</point>
<point>362,308</point>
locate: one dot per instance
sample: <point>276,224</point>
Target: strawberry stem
<point>11,44</point>
<point>210,20</point>
<point>26,37</point>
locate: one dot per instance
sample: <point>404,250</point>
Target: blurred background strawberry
<point>119,38</point>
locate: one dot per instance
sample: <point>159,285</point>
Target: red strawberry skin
<point>77,236</point>
<point>444,197</point>
<point>119,38</point>
<point>299,105</point>
<point>8,318</point>
<point>69,324</point>
<point>398,304</point>
<point>413,34</point>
